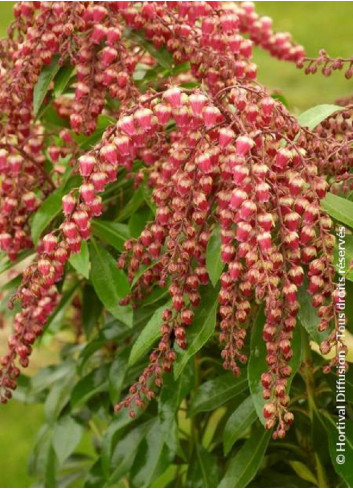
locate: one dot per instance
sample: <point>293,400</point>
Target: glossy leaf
<point>96,381</point>
<point>91,309</point>
<point>240,421</point>
<point>152,457</point>
<point>117,374</point>
<point>201,330</point>
<point>148,336</point>
<point>217,392</point>
<point>257,362</point>
<point>66,436</point>
<point>243,467</point>
<point>112,233</point>
<point>203,469</point>
<point>110,284</point>
<point>62,79</point>
<point>339,208</point>
<point>214,263</point>
<point>313,116</point>
<point>80,261</point>
<point>303,471</point>
<point>41,87</point>
<point>125,452</point>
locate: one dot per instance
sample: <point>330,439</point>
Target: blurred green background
<point>315,25</point>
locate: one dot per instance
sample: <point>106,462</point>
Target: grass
<point>315,25</point>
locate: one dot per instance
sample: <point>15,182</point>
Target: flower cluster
<point>224,156</point>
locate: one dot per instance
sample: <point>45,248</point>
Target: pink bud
<point>87,192</point>
<point>197,102</point>
<point>5,241</point>
<point>99,181</point>
<point>123,145</point>
<point>265,221</point>
<point>3,159</point>
<point>240,172</point>
<point>173,96</point>
<point>44,266</point>
<point>292,220</point>
<point>96,206</point>
<point>267,105</point>
<point>15,163</point>
<point>143,118</point>
<point>68,203</point>
<point>204,162</point>
<point>30,201</point>
<point>98,13</point>
<point>265,241</point>
<point>243,232</point>
<point>163,113</point>
<point>109,55</point>
<point>127,125</point>
<point>283,157</point>
<point>70,229</point>
<point>243,145</point>
<point>296,184</point>
<point>263,192</point>
<point>247,210</point>
<point>49,243</point>
<point>225,136</point>
<point>81,91</point>
<point>86,165</point>
<point>109,153</point>
<point>210,115</point>
<point>98,34</point>
<point>109,77</point>
<point>113,35</point>
<point>237,198</point>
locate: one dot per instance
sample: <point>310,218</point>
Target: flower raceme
<point>223,155</point>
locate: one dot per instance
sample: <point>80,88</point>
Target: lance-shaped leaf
<point>240,421</point>
<point>41,87</point>
<point>148,336</point>
<point>110,284</point>
<point>213,256</point>
<point>216,392</point>
<point>80,261</point>
<point>243,467</point>
<point>312,117</point>
<point>112,233</point>
<point>339,208</point>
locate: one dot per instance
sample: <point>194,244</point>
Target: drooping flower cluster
<point>225,155</point>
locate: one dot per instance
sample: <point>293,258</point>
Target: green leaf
<point>339,208</point>
<point>243,467</point>
<point>59,396</point>
<point>80,261</point>
<point>303,471</point>
<point>308,317</point>
<point>117,374</point>
<point>312,117</point>
<point>217,392</point>
<point>203,469</point>
<point>148,336</point>
<point>66,436</point>
<point>51,208</point>
<point>112,233</point>
<point>172,394</point>
<point>90,385</point>
<point>134,203</point>
<point>110,284</point>
<point>257,362</point>
<point>213,256</point>
<point>152,458</point>
<point>125,452</point>
<point>41,87</point>
<point>240,421</point>
<point>91,309</point>
<point>201,330</point>
<point>62,79</point>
